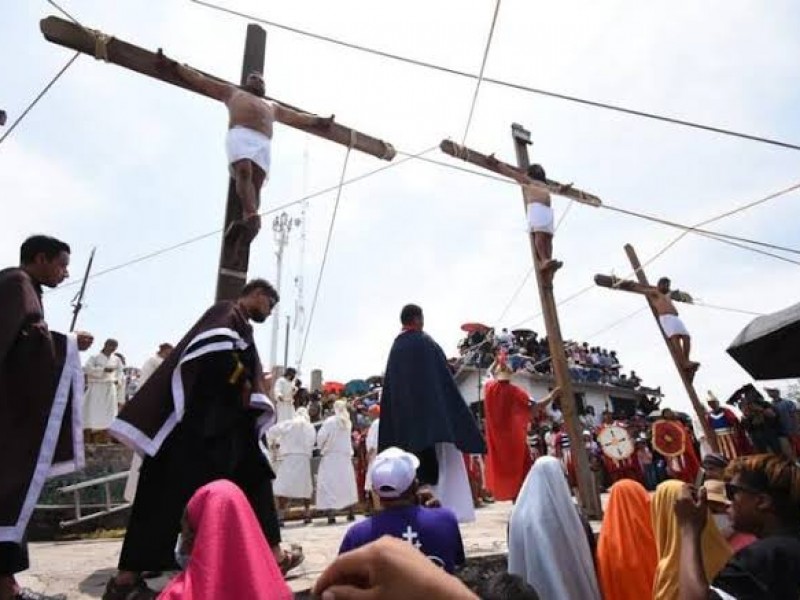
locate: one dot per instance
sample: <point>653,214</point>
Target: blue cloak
<point>421,404</point>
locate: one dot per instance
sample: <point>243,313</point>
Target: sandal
<point>291,559</point>
<point>130,591</point>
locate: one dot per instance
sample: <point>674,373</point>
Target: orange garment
<point>626,551</point>
<point>715,549</point>
<point>508,460</point>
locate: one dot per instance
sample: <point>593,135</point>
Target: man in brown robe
<point>41,387</point>
<point>197,419</point>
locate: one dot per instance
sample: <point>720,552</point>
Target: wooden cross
<point>642,287</point>
<point>233,264</point>
<point>590,500</point>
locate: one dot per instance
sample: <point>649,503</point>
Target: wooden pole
<point>234,260</point>
<point>687,383</point>
<point>590,500</point>
<point>113,50</point>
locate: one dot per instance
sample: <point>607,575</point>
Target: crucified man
<point>539,211</point>
<point>249,139</point>
<point>671,323</point>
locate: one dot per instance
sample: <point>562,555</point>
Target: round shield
<point>668,438</point>
<point>615,441</point>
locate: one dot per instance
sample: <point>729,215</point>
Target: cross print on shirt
<point>411,537</point>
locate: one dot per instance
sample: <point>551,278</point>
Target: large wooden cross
<point>643,287</point>
<point>233,262</point>
<point>590,499</point>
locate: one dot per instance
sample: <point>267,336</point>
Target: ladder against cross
<point>233,262</point>
<point>642,287</point>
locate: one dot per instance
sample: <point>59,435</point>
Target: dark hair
<point>262,285</point>
<point>664,280</point>
<point>41,244</point>
<point>776,476</point>
<point>537,173</point>
<point>505,586</point>
<point>290,371</point>
<point>409,313</point>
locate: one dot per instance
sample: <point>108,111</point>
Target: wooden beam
<point>590,499</point>
<point>687,383</point>
<point>116,51</point>
<point>234,261</point>
<point>489,162</point>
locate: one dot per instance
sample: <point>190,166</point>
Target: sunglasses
<point>731,489</point>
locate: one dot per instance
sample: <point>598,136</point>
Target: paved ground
<point>81,569</point>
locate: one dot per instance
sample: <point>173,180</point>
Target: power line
<point>198,238</point>
<point>721,237</point>
<point>39,96</point>
<point>480,74</point>
<point>516,86</point>
<point>514,296</point>
<point>325,254</point>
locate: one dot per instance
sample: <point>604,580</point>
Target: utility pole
<point>282,225</point>
<point>286,346</point>
<point>643,288</point>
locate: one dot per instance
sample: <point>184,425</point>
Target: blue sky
<point>114,160</point>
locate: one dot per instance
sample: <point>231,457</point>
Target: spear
<point>77,301</point>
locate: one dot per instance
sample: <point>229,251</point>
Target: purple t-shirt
<point>433,531</point>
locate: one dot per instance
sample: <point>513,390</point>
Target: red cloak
<point>508,415</point>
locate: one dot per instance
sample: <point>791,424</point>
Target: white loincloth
<point>672,325</point>
<point>294,477</point>
<point>336,482</point>
<point>453,489</point>
<point>540,218</point>
<point>243,143</point>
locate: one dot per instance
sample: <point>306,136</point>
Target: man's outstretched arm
<point>216,89</point>
<point>295,118</point>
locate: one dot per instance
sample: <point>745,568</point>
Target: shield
<point>669,438</point>
<point>767,347</point>
<point>472,327</point>
<point>615,442</point>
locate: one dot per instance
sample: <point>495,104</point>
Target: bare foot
<point>550,266</point>
<point>691,369</point>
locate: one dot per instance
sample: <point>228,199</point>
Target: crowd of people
<point>527,352</point>
<point>205,500</point>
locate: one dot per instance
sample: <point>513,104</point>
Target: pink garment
<point>741,540</point>
<point>230,557</point>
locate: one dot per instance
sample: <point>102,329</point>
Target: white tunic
<point>372,446</point>
<point>336,480</point>
<point>148,368</point>
<point>284,399</point>
<point>295,440</point>
<point>100,401</point>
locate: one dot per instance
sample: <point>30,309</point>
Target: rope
<point>39,96</point>
<point>516,86</point>
<point>279,208</point>
<point>480,74</point>
<point>514,296</point>
<point>101,40</point>
<point>327,248</point>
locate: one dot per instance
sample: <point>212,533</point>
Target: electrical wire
<point>480,73</point>
<point>499,82</point>
<point>39,96</point>
<point>276,209</point>
<point>325,254</point>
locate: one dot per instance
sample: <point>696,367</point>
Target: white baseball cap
<point>392,472</point>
